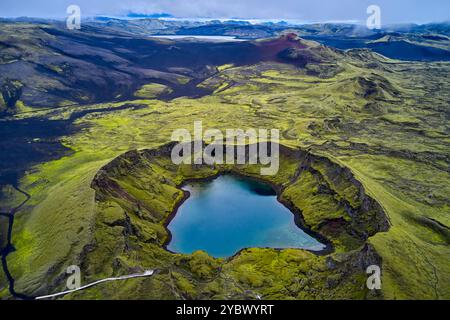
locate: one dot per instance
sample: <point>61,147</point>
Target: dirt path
<point>147,273</point>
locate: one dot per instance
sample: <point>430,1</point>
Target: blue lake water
<point>197,37</point>
<point>230,213</point>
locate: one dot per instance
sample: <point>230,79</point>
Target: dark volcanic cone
<point>289,48</point>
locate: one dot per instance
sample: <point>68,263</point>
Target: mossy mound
<point>152,91</point>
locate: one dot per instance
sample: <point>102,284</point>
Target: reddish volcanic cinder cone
<point>290,48</point>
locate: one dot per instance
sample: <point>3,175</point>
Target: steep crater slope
<point>139,192</point>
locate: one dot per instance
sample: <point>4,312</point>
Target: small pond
<point>230,213</point>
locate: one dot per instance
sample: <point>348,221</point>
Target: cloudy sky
<point>393,11</point>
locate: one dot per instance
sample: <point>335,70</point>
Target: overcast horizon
<point>352,11</point>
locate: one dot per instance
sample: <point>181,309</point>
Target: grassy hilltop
<point>385,120</point>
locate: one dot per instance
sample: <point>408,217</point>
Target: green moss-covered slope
<point>383,120</point>
<point>138,192</point>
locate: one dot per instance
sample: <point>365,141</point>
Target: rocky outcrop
<point>10,92</point>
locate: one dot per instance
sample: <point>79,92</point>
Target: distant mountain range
<point>43,64</point>
<point>428,42</point>
<point>149,16</point>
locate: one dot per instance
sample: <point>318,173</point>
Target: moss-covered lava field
<point>87,176</point>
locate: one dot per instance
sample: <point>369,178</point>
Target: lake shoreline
<point>298,218</point>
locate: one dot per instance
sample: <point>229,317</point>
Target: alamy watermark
<point>374,20</point>
<point>73,21</point>
<point>374,280</point>
<point>234,146</point>
<point>74,280</point>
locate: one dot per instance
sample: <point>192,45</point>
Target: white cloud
<point>310,10</point>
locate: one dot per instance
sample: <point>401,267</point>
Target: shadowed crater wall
<point>139,192</point>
